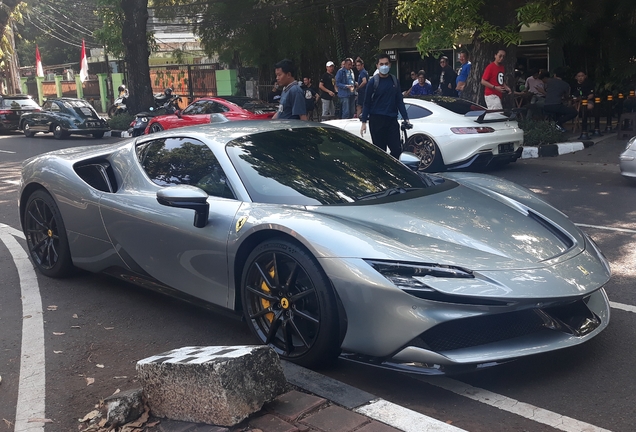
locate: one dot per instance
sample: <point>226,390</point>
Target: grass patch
<point>121,121</point>
<point>539,132</point>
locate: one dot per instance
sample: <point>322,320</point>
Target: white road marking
<point>513,406</point>
<point>7,151</point>
<point>32,384</point>
<point>14,232</point>
<point>624,307</point>
<point>403,419</point>
<point>627,230</point>
<point>13,182</point>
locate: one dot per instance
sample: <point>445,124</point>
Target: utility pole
<point>12,65</point>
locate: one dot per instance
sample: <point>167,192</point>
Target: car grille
<point>573,318</point>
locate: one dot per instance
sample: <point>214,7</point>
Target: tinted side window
<point>416,112</point>
<point>55,107</point>
<point>195,108</point>
<point>183,161</point>
<point>47,106</point>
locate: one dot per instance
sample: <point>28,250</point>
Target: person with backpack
<point>382,101</point>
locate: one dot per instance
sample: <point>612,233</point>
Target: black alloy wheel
<point>289,304</point>
<point>156,127</point>
<point>425,148</point>
<point>46,235</point>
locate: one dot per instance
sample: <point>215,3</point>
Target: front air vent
<point>564,237</point>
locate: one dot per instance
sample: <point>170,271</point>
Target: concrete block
<point>213,385</point>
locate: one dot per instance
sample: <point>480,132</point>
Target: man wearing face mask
<point>382,101</point>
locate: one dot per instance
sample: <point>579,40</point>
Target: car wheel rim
<point>156,128</point>
<point>42,234</point>
<point>282,304</point>
<point>26,127</point>
<point>423,148</point>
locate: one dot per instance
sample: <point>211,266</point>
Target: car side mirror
<point>178,113</point>
<point>188,197</point>
<point>411,160</point>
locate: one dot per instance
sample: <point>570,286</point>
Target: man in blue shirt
<point>363,79</point>
<point>464,72</point>
<point>346,89</point>
<point>382,101</point>
<point>292,101</point>
<point>421,87</point>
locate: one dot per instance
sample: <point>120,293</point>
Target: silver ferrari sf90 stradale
<point>325,244</point>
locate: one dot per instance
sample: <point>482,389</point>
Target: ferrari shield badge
<point>240,223</point>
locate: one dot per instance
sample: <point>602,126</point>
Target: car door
<point>163,241</point>
<point>40,121</point>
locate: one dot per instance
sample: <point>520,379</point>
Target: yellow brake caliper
<point>266,303</point>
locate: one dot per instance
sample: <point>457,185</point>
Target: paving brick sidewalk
<point>293,411</point>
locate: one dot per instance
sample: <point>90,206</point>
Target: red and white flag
<point>38,63</point>
<point>83,64</point>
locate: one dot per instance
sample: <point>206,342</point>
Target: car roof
<point>16,96</point>
<point>222,133</point>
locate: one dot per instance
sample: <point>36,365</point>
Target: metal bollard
<point>608,125</point>
<point>597,117</point>
<point>583,111</point>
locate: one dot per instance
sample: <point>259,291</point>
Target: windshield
<point>316,165</point>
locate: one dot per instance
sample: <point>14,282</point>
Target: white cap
<point>330,63</point>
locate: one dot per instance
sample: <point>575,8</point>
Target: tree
<point>6,9</point>
<point>489,26</point>
<point>597,34</point>
<point>137,53</point>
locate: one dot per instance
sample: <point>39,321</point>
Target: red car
<point>199,111</point>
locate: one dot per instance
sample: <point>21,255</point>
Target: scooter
<point>169,106</point>
<point>119,107</point>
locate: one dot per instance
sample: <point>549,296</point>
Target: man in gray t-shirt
<point>557,91</point>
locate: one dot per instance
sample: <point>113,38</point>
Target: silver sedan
<point>627,160</point>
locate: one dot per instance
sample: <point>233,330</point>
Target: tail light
<point>471,130</point>
<point>6,112</point>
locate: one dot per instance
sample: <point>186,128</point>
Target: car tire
<point>289,304</point>
<point>98,135</point>
<point>58,132</point>
<point>28,132</point>
<point>425,148</point>
<point>155,127</point>
<point>45,235</point>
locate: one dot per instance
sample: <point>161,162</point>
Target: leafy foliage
<point>539,132</point>
<point>121,121</point>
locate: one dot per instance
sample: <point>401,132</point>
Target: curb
<point>117,134</point>
<point>362,402</point>
<point>554,149</point>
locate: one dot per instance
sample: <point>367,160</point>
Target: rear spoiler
<point>508,115</point>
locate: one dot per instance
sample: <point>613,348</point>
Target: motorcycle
<point>119,107</point>
<point>163,105</point>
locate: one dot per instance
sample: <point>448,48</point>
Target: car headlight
<point>407,275</point>
<point>630,142</point>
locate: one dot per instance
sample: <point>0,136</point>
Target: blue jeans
<point>348,106</point>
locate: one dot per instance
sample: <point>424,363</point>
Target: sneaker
<point>561,128</point>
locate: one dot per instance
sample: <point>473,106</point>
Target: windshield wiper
<point>387,192</point>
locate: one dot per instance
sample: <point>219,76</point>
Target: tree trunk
<point>482,55</point>
<point>137,53</point>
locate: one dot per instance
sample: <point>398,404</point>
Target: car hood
<point>469,224</point>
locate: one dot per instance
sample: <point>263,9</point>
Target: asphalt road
<point>97,327</point>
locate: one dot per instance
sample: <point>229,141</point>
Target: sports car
<point>325,244</point>
<point>202,110</point>
<point>63,117</point>
<point>454,134</point>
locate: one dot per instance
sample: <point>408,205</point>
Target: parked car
<point>450,134</point>
<point>12,107</point>
<point>199,112</point>
<point>627,160</point>
<point>63,117</point>
<point>324,243</point>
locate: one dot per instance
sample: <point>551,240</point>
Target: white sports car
<point>451,134</point>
